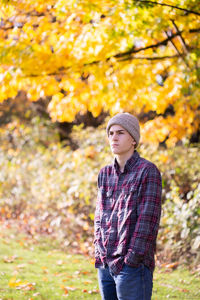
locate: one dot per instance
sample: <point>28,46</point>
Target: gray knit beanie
<point>128,122</point>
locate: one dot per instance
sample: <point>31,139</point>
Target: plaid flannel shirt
<point>127,214</point>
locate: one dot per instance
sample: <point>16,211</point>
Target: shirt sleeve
<point>97,224</point>
<point>148,212</point>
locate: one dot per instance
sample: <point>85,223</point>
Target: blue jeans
<point>129,284</point>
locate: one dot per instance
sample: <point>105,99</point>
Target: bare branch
<point>180,37</point>
<point>194,30</point>
<point>175,47</point>
<point>172,43</point>
<point>136,50</point>
<point>168,5</point>
<point>161,43</point>
<point>151,58</point>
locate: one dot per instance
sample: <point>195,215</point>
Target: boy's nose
<point>115,136</point>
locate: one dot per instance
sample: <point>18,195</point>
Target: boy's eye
<point>118,132</point>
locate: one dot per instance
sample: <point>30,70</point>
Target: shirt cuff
<point>133,259</point>
<point>98,262</point>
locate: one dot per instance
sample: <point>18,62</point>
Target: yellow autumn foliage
<point>120,55</point>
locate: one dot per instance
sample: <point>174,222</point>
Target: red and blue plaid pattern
<point>127,214</point>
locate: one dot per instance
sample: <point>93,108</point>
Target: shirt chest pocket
<point>128,201</point>
<point>106,206</point>
<point>106,198</point>
<point>129,193</point>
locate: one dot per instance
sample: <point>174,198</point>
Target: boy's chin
<point>116,152</point>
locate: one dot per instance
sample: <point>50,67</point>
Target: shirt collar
<point>129,164</point>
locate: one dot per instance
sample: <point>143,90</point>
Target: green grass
<point>39,270</point>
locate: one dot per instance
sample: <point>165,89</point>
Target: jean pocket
<point>128,269</point>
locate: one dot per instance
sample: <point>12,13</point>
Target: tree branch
<point>194,30</point>
<point>151,58</point>
<point>161,43</point>
<point>175,47</point>
<point>172,42</point>
<point>136,50</point>
<point>180,37</point>
<point>168,5</point>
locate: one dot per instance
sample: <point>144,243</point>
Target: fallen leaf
<point>85,272</point>
<point>6,242</point>
<point>93,292</point>
<point>36,294</point>
<point>172,266</point>
<point>92,261</point>
<point>76,260</point>
<point>21,285</point>
<point>22,266</point>
<point>26,287</point>
<point>71,288</point>
<point>45,279</point>
<point>87,282</point>
<point>9,259</point>
<point>184,290</point>
<point>68,288</point>
<point>31,262</point>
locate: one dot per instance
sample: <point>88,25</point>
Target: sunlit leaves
<point>103,56</point>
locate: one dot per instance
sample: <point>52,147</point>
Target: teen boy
<point>127,216</point>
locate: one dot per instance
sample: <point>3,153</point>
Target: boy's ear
<point>134,142</point>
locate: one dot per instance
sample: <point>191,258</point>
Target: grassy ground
<point>31,269</point>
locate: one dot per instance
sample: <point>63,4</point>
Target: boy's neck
<point>122,159</point>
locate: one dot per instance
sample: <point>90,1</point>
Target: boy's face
<point>121,142</point>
